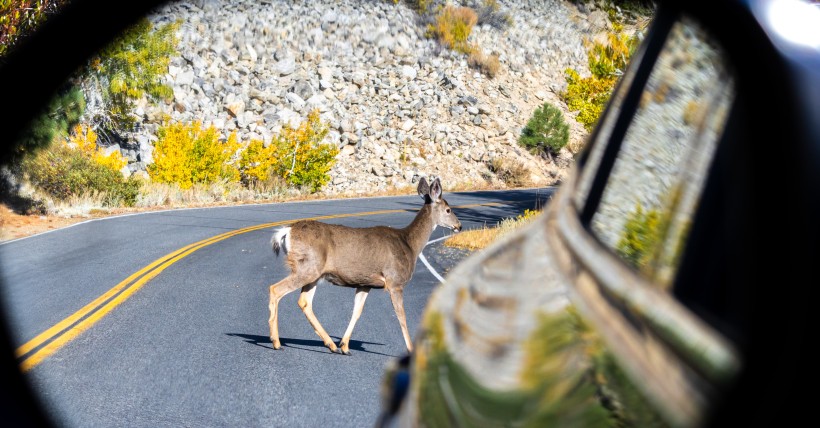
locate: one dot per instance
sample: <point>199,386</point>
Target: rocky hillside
<point>397,103</point>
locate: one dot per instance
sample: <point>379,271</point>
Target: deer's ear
<point>424,188</point>
<point>435,190</point>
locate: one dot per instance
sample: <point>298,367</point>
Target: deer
<point>361,258</point>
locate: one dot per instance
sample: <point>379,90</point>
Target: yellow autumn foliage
<point>296,154</point>
<point>186,154</point>
<point>84,139</point>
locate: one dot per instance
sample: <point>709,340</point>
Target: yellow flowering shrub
<point>84,139</point>
<point>186,154</point>
<point>296,154</point>
<point>256,162</point>
<point>588,96</point>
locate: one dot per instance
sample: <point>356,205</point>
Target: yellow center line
<point>73,325</point>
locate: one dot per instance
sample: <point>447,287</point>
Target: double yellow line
<point>48,342</point>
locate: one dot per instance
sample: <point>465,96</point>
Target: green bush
<point>641,238</point>
<point>61,114</point>
<point>301,157</point>
<point>129,68</point>
<point>546,132</point>
<point>63,172</point>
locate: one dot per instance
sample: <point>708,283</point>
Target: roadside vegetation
<point>70,154</point>
<point>546,132</point>
<point>451,26</point>
<point>478,239</point>
<point>587,96</point>
<point>18,18</point>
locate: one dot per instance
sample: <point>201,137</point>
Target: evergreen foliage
<point>546,132</point>
<point>61,114</point>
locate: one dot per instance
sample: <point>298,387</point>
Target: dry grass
<point>487,64</point>
<point>478,239</point>
<point>512,173</point>
<point>171,195</point>
<point>453,26</point>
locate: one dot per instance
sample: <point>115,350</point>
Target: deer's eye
<point>448,210</point>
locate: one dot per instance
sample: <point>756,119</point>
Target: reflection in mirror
<point>651,196</point>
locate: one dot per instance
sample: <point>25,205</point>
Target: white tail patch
<point>281,240</point>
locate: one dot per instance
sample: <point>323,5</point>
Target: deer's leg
<point>398,305</point>
<point>277,291</point>
<point>358,305</point>
<point>306,303</point>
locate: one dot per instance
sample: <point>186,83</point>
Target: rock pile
<point>397,103</point>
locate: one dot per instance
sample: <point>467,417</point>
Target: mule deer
<point>361,258</point>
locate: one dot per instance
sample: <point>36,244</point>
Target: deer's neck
<point>419,231</point>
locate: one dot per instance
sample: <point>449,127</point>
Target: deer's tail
<point>281,240</point>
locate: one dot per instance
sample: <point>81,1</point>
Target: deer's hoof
<point>336,350</point>
<point>276,344</point>
<point>348,353</point>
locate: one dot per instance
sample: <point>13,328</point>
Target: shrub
<point>129,68</point>
<point>84,139</point>
<point>512,173</point>
<point>63,172</point>
<point>545,132</point>
<point>188,154</point>
<point>487,64</point>
<point>61,114</point>
<point>489,14</point>
<point>420,6</point>
<point>300,157</point>
<point>453,26</point>
<point>18,18</point>
<point>256,162</point>
<point>589,95</point>
<point>641,238</point>
<point>611,59</point>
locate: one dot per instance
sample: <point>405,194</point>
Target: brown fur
<point>362,258</point>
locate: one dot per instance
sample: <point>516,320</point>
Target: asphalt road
<point>170,314</point>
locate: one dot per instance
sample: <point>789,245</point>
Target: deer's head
<point>441,212</point>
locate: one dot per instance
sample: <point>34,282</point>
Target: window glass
<point>659,173</point>
<point>604,132</point>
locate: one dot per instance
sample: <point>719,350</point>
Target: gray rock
<point>359,78</point>
<point>330,16</point>
<point>317,101</point>
<point>303,89</point>
<point>252,55</point>
<point>284,67</point>
<point>185,78</point>
<point>408,72</point>
<point>295,100</point>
